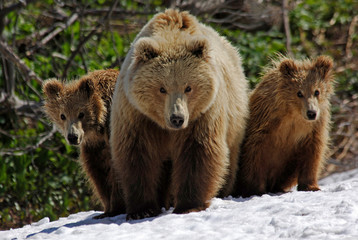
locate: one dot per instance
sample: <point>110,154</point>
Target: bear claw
<point>143,214</point>
<point>188,210</point>
<point>307,187</point>
<point>106,214</point>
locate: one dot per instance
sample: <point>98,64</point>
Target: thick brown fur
<point>287,136</point>
<point>81,110</point>
<point>182,97</point>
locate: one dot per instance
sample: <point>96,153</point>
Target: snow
<point>331,213</point>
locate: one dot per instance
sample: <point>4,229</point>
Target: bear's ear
<point>52,88</point>
<point>87,86</point>
<point>199,48</point>
<point>288,68</point>
<point>323,65</point>
<point>145,49</point>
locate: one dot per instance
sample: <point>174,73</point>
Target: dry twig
<point>11,56</point>
<point>55,32</point>
<point>95,30</point>
<point>286,23</point>
<point>345,134</point>
<point>351,31</point>
<point>22,151</point>
<point>13,7</point>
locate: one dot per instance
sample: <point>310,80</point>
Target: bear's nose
<point>176,120</point>
<point>311,115</point>
<point>72,139</point>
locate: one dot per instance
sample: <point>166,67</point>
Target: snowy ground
<point>328,214</point>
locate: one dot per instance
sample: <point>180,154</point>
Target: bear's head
<point>172,84</point>
<point>75,108</point>
<point>309,84</point>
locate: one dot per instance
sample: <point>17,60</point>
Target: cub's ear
<point>199,48</point>
<point>288,68</point>
<point>145,49</point>
<point>86,86</point>
<point>323,65</point>
<point>52,88</point>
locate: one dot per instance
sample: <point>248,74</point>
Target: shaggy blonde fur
<point>181,97</point>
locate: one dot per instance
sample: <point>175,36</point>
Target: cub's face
<point>172,88</point>
<point>70,107</point>
<point>309,86</point>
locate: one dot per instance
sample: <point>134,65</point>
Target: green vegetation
<point>46,180</point>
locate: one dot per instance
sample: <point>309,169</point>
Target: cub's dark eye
<point>316,93</point>
<point>81,115</point>
<point>162,90</point>
<point>188,89</point>
<point>299,94</point>
<point>63,117</point>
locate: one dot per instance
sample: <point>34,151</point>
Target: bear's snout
<point>311,115</point>
<point>176,120</point>
<point>177,115</point>
<point>72,139</point>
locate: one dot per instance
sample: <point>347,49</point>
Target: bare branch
<point>351,31</point>
<point>22,151</point>
<point>344,133</point>
<point>286,23</point>
<point>95,30</point>
<point>11,56</point>
<point>248,15</point>
<point>116,13</point>
<point>29,109</point>
<point>55,32</point>
<point>3,132</point>
<point>20,4</point>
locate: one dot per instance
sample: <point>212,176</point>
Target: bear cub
<point>81,110</point>
<point>287,135</point>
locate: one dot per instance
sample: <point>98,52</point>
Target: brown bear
<point>288,129</point>
<point>81,110</point>
<point>182,97</point>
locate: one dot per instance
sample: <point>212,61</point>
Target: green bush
<point>321,27</point>
<point>45,181</point>
<point>255,49</point>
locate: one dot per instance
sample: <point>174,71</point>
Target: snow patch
<point>42,221</point>
<point>328,214</point>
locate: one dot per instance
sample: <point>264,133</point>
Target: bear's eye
<point>162,90</point>
<point>63,117</point>
<point>316,93</point>
<point>81,115</point>
<point>188,89</point>
<point>299,94</point>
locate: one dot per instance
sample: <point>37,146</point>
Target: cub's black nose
<point>311,115</point>
<point>72,139</point>
<point>176,120</point>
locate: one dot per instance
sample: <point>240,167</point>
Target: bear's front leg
<point>116,204</point>
<point>139,172</point>
<point>95,159</point>
<point>198,173</point>
<point>310,160</point>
